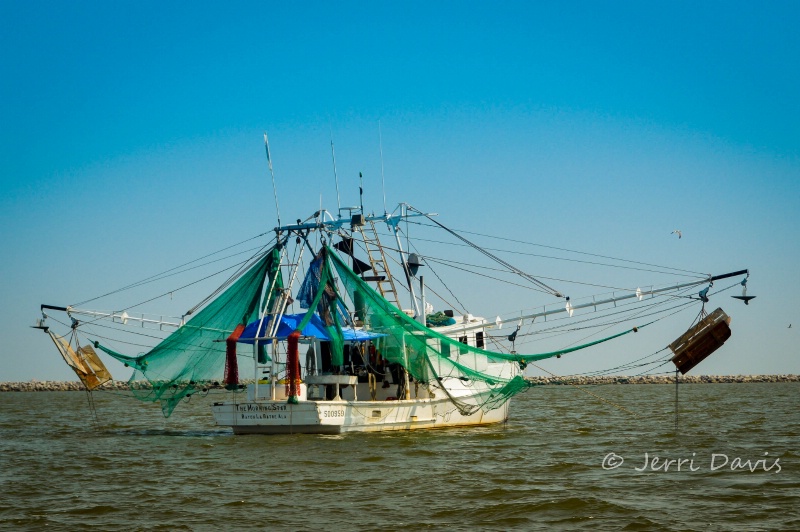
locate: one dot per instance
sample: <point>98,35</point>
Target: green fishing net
<point>472,378</point>
<point>486,379</point>
<point>194,355</point>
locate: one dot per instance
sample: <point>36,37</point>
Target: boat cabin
<point>365,374</point>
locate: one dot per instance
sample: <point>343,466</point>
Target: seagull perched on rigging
<point>676,232</point>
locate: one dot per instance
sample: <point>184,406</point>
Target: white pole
<point>336,178</point>
<point>274,190</point>
<point>407,386</point>
<point>383,182</point>
<point>421,317</point>
<point>407,271</point>
<point>265,293</point>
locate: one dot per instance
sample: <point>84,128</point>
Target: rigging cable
<point>551,257</point>
<point>701,274</point>
<point>497,259</point>
<point>163,274</point>
<point>462,307</point>
<point>243,267</point>
<point>559,329</point>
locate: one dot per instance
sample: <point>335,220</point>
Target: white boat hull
<point>335,417</point>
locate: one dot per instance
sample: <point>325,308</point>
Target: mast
<point>335,177</point>
<point>266,296</point>
<point>361,192</point>
<point>404,214</point>
<point>272,173</point>
<point>421,317</point>
<point>383,181</point>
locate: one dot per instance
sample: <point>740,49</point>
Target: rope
<point>461,305</point>
<point>627,365</point>
<point>543,287</point>
<point>448,262</point>
<point>560,330</point>
<point>89,397</point>
<point>243,267</point>
<point>701,274</point>
<point>247,262</point>
<point>93,409</point>
<point>163,275</point>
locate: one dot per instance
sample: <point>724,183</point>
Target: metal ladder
<point>383,279</point>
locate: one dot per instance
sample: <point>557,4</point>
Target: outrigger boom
<point>123,316</point>
<point>640,294</point>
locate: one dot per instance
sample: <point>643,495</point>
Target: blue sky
<point>131,139</point>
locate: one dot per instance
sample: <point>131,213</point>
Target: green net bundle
<point>472,378</point>
<point>194,355</point>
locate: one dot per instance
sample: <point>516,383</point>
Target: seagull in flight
<point>676,232</point>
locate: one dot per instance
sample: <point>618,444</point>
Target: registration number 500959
<point>333,413</point>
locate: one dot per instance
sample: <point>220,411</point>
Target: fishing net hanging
<point>487,381</point>
<point>194,355</point>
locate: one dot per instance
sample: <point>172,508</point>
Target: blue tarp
<point>314,328</point>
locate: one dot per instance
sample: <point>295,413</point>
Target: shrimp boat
<point>310,334</point>
<point>373,366</point>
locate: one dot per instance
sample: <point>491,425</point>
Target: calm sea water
<point>549,467</point>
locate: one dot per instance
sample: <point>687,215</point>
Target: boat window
<point>479,340</point>
<point>463,340</point>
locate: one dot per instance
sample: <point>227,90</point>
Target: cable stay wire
<point>174,273</point>
<point>452,263</point>
<point>640,362</point>
<point>461,306</point>
<point>121,328</point>
<point>164,273</point>
<point>495,258</point>
<point>246,265</point>
<point>560,331</point>
<point>584,390</point>
<point>701,274</point>
<point>88,336</point>
<point>242,266</point>
<point>565,259</point>
<point>602,313</point>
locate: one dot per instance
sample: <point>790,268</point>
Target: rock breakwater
<point>74,386</point>
<point>71,386</point>
<point>663,379</point>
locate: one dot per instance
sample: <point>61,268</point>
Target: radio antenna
<point>274,190</point>
<point>335,177</point>
<point>383,182</point>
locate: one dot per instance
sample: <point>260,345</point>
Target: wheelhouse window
<point>463,340</point>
